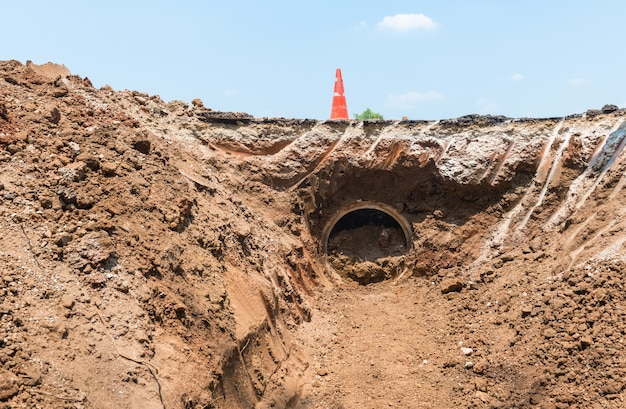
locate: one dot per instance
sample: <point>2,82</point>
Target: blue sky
<point>420,59</point>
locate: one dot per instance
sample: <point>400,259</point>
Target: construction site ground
<point>167,255</point>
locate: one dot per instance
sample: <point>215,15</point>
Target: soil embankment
<point>166,255</point>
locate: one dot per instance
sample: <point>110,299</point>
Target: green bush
<point>368,114</point>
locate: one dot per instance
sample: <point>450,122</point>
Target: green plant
<point>368,114</point>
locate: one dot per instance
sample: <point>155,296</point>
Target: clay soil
<point>165,255</point>
<point>367,254</point>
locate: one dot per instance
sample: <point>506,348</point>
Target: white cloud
<point>407,22</point>
<point>576,82</point>
<point>410,100</point>
<point>361,25</point>
<point>516,77</point>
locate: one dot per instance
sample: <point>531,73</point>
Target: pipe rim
<point>397,216</point>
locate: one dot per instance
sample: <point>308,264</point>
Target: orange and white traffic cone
<point>340,108</point>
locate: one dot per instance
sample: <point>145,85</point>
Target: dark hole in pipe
<point>367,234</point>
<point>365,245</point>
<point>364,217</point>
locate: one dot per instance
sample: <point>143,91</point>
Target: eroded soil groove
<point>164,254</point>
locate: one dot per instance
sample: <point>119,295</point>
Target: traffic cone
<point>340,108</point>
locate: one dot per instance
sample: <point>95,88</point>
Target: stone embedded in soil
<point>449,285</point>
<point>549,333</point>
<point>612,387</point>
<point>365,272</point>
<point>526,311</point>
<point>467,351</point>
<point>109,168</point>
<point>483,396</point>
<point>30,375</point>
<point>63,239</point>
<point>481,366</point>
<point>8,385</point>
<point>480,384</point>
<point>67,301</point>
<point>585,342</point>
<point>92,161</point>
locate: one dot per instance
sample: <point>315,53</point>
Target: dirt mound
<point>124,260</point>
<point>167,255</point>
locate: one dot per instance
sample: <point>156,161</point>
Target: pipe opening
<point>366,244</point>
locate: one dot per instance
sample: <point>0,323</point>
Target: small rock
<point>63,239</point>
<point>549,333</point>
<point>90,160</point>
<point>480,384</point>
<point>141,100</point>
<point>585,342</point>
<point>13,149</point>
<point>30,375</point>
<point>46,202</point>
<point>450,363</point>
<point>109,168</point>
<point>481,367</point>
<point>9,195</point>
<point>55,115</point>
<point>60,92</point>
<point>608,108</point>
<point>198,103</point>
<point>483,396</point>
<point>467,351</point>
<point>3,111</point>
<point>141,336</point>
<point>73,172</point>
<point>449,285</point>
<point>468,365</point>
<point>67,301</point>
<point>66,195</point>
<point>62,82</point>
<point>123,287</point>
<point>180,310</point>
<point>384,238</point>
<point>8,385</point>
<point>612,387</point>
<point>142,146</point>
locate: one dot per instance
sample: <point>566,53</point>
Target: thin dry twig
<point>244,347</point>
<point>30,246</point>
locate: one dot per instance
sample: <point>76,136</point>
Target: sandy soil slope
<point>160,255</point>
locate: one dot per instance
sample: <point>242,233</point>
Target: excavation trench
<point>366,241</point>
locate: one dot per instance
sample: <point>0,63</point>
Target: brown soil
<point>164,255</point>
<point>367,254</point>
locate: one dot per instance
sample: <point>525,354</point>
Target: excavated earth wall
<point>166,255</point>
